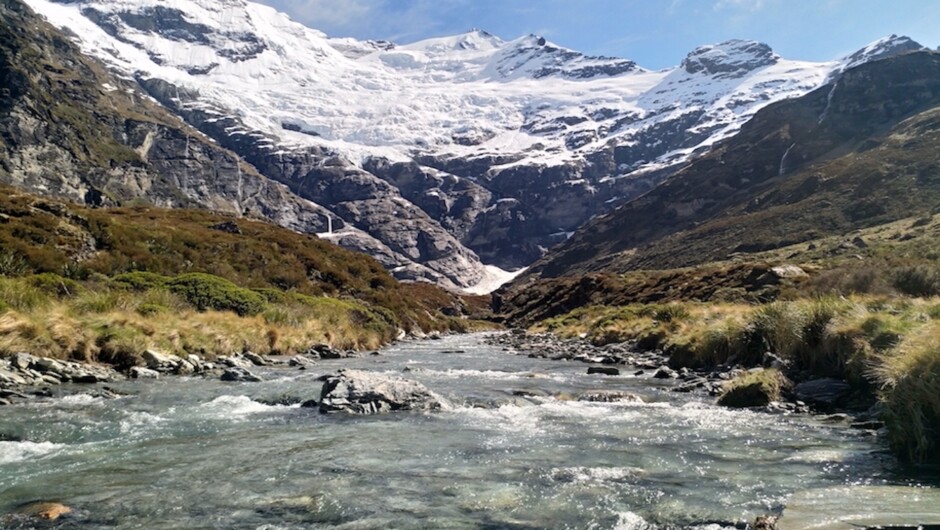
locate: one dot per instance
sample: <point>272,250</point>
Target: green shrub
<point>205,291</point>
<point>274,296</point>
<point>141,280</point>
<point>919,280</point>
<point>55,285</point>
<point>148,309</point>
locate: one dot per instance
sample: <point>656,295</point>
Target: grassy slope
<point>305,290</point>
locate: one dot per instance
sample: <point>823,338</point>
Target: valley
<point>256,276</point>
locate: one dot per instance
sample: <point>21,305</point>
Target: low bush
<point>919,280</point>
<point>140,280</point>
<point>205,291</point>
<point>55,285</point>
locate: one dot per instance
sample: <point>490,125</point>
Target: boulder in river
<point>139,372</point>
<point>239,375</point>
<point>605,370</point>
<point>49,511</point>
<point>363,392</point>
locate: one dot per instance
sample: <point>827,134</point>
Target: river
<point>200,453</point>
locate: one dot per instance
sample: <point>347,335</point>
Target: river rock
<point>236,360</point>
<point>664,372</point>
<point>362,392</point>
<point>255,359</point>
<point>610,396</point>
<point>301,361</point>
<point>139,372</point>
<point>325,351</point>
<point>49,511</point>
<point>240,375</point>
<point>161,362</point>
<point>823,393</point>
<point>604,370</point>
<point>745,396</point>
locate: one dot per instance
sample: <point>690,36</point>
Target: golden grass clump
<point>910,389</point>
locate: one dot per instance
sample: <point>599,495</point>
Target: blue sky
<point>655,33</point>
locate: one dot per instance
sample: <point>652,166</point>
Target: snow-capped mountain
<point>446,150</point>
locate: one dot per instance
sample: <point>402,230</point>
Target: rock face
<point>433,157</point>
<point>362,392</point>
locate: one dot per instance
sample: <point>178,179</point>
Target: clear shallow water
<point>194,453</point>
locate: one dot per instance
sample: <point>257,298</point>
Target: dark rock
<point>238,374</point>
<point>230,227</point>
<point>868,425</point>
<point>639,372</point>
<point>765,522</point>
<point>362,392</point>
<point>603,370</point>
<point>826,393</point>
<point>665,372</point>
<point>310,404</point>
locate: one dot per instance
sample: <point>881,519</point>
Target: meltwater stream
<point>195,453</point>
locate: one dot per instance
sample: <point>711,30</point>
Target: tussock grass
<point>115,320</point>
<point>909,375</point>
<point>889,345</point>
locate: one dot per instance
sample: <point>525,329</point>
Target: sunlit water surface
<point>195,453</point>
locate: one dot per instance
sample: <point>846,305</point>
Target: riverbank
<point>524,442</point>
<point>877,348</point>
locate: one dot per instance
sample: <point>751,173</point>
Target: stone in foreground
<point>49,511</point>
<point>363,392</point>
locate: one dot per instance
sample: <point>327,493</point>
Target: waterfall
<point>828,103</point>
<point>783,160</point>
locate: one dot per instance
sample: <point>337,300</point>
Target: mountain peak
<point>880,49</point>
<point>733,58</point>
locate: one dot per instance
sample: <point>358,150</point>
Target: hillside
<point>45,236</point>
<point>857,153</point>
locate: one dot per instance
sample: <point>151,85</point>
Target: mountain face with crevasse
<point>443,158</point>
